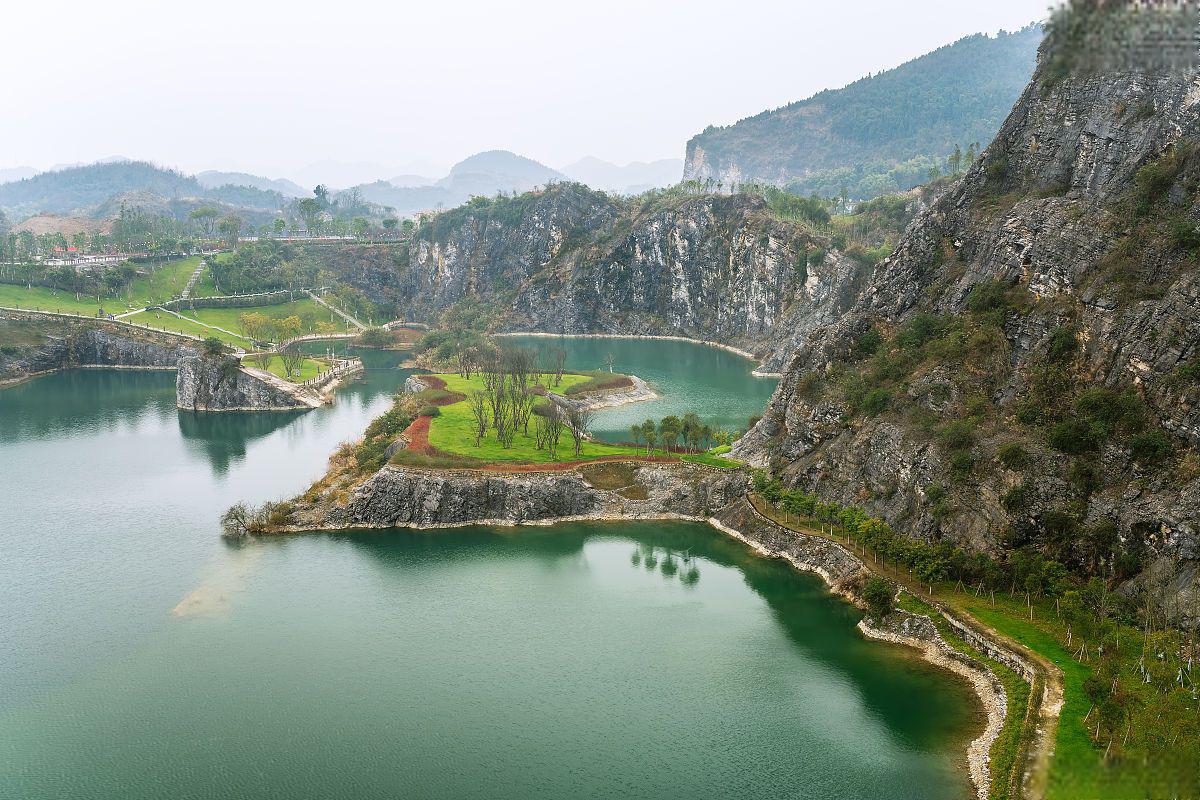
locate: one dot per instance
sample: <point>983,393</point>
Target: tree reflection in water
<point>673,563</point>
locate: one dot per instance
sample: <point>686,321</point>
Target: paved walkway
<point>187,290</point>
<point>338,311</point>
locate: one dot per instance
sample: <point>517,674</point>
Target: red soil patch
<point>567,466</point>
<point>418,436</point>
<point>433,381</point>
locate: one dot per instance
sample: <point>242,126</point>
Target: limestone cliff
<point>1022,370</point>
<point>31,344</point>
<point>207,383</point>
<point>397,496</point>
<point>571,260</point>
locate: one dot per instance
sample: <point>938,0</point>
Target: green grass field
<point>453,431</point>
<point>169,322</point>
<point>206,287</point>
<point>309,368</point>
<point>309,312</point>
<point>160,283</point>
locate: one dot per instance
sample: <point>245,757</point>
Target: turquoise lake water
<point>143,657</point>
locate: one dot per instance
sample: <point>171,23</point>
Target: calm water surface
<point>140,657</point>
<point>714,383</point>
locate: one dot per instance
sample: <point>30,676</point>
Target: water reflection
<point>222,437</point>
<point>673,563</point>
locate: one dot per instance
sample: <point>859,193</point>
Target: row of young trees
<point>670,430</point>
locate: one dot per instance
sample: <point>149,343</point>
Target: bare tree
<point>579,419</point>
<point>292,357</point>
<point>609,361</point>
<point>554,426</point>
<point>478,401</point>
<point>560,360</point>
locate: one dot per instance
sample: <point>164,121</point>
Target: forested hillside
<point>882,133</point>
<point>83,189</point>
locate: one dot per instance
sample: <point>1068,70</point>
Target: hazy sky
<point>270,87</point>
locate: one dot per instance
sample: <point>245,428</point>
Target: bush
<point>213,346</point>
<point>876,402</point>
<point>958,435</point>
<point>1151,447</point>
<point>429,411</point>
<point>962,466</point>
<point>1073,436</point>
<point>919,330</point>
<point>987,296</point>
<point>1185,235</point>
<point>1016,499</point>
<point>880,597</point>
<point>1063,343</point>
<point>1013,456</point>
<point>867,345</point>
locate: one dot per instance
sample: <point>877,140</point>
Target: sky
<point>276,87</point>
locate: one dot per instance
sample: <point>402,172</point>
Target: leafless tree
<point>560,360</point>
<point>554,426</point>
<point>579,419</point>
<point>478,401</point>
<point>292,357</point>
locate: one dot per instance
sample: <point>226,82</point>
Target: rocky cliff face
<point>570,260</point>
<point>964,392</point>
<point>34,344</point>
<point>206,383</point>
<point>396,496</point>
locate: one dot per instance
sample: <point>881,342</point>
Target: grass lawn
<point>169,322</point>
<point>307,310</point>
<point>160,283</point>
<point>453,432</point>
<point>205,287</point>
<point>309,368</point>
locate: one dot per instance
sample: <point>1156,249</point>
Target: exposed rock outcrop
<point>208,383</point>
<point>570,260</point>
<point>1068,212</point>
<point>418,498</point>
<point>32,344</point>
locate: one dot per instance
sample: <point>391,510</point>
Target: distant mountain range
<point>98,190</point>
<point>881,133</point>
<point>212,179</point>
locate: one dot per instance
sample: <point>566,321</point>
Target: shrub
<point>919,330</point>
<point>1155,179</point>
<point>987,296</point>
<point>213,346</point>
<point>1185,235</point>
<point>1016,499</point>
<point>867,345</point>
<point>429,411</point>
<point>962,466</point>
<point>880,597</point>
<point>1073,436</point>
<point>1108,410</point>
<point>1150,447</point>
<point>876,402</point>
<point>958,435</point>
<point>1013,456</point>
<point>1063,343</point>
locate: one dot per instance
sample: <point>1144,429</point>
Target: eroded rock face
<point>396,496</point>
<point>715,268</point>
<point>1040,212</point>
<point>205,383</point>
<point>69,344</point>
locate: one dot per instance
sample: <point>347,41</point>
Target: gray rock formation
<point>1055,213</point>
<point>570,260</point>
<point>54,343</point>
<point>407,497</point>
<point>206,383</point>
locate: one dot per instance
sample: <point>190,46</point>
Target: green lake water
<point>715,383</point>
<point>142,657</point>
